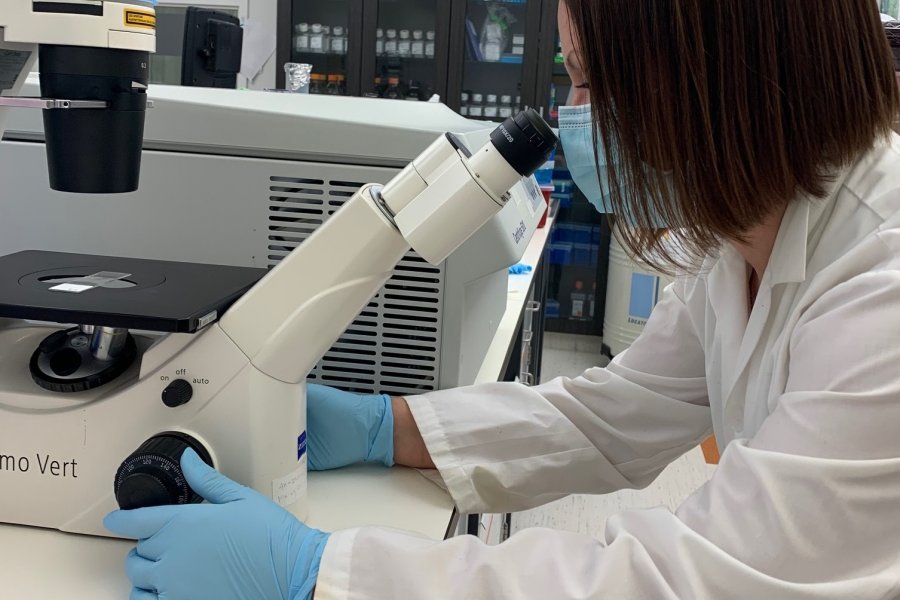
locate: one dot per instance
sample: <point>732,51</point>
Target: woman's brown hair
<point>715,113</point>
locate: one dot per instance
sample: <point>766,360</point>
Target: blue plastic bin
<point>563,186</point>
<point>581,234</point>
<point>564,233</point>
<point>544,176</point>
<point>565,200</point>
<point>551,310</point>
<point>561,253</point>
<point>582,254</point>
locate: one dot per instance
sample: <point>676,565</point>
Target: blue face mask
<point>576,133</point>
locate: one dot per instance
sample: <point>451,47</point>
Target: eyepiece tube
<point>517,149</point>
<point>94,151</point>
<point>525,141</point>
<point>464,191</point>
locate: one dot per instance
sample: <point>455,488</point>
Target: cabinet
<point>482,57</point>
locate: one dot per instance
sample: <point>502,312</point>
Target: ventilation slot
<point>393,347</point>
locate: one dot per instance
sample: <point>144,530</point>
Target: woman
<point>759,130</point>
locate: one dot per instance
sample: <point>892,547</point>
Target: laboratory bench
<point>36,564</point>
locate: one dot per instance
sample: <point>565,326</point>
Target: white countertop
<point>38,564</point>
<point>519,285</point>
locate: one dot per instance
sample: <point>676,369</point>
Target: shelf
<point>522,3</point>
<point>417,59</point>
<point>307,53</point>
<point>470,61</point>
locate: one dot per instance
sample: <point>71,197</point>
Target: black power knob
<point>177,393</point>
<point>152,475</point>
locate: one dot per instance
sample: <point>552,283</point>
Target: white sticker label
<point>535,194</point>
<point>290,489</point>
<point>210,318</point>
<point>71,288</point>
<point>11,64</point>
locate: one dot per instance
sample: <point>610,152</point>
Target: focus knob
<point>152,475</point>
<point>177,393</point>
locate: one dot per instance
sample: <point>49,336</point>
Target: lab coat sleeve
<point>807,509</point>
<point>506,447</point>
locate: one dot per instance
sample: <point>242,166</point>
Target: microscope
<point>111,367</point>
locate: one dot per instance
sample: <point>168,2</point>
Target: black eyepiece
<point>525,141</point>
<point>94,150</point>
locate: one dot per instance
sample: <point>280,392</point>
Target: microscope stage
<point>129,293</point>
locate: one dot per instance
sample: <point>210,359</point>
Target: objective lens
<point>95,151</point>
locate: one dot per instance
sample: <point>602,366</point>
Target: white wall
<point>266,11</point>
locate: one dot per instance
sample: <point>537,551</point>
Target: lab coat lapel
<point>728,299</point>
<point>746,335</point>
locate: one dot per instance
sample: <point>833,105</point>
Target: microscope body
<point>234,390</point>
<point>61,455</point>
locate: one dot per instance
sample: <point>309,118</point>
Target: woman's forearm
<point>409,447</point>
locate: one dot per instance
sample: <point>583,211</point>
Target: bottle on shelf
<point>579,300</point>
<point>404,46</point>
<point>414,92</point>
<point>317,83</point>
<point>418,44</point>
<point>339,41</point>
<point>316,39</point>
<point>334,86</point>
<point>301,39</point>
<point>592,301</point>
<point>476,107</point>
<point>491,108</point>
<point>464,104</point>
<point>429,44</point>
<point>506,107</point>
<point>390,43</point>
<point>393,90</point>
<point>326,39</point>
<point>379,42</point>
<point>378,90</point>
<point>518,47</point>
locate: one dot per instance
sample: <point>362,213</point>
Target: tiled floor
<point>566,355</point>
<point>570,355</point>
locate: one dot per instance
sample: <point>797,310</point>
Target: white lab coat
<point>804,397</point>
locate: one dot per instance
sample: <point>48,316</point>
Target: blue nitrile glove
<point>345,429</point>
<point>520,269</point>
<point>240,546</point>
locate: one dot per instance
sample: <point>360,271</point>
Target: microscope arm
<point>290,319</point>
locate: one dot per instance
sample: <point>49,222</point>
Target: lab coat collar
<point>738,326</point>
<point>796,238</point>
